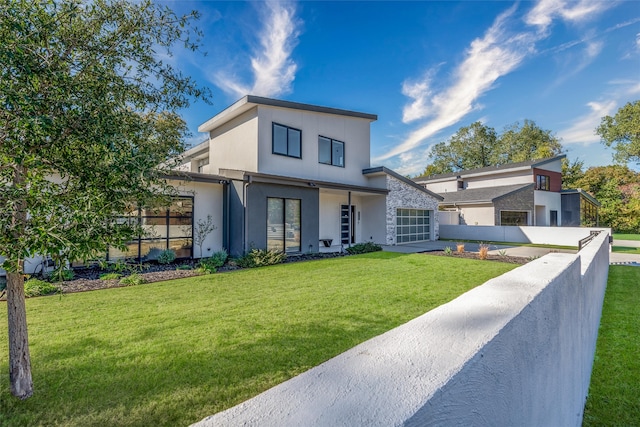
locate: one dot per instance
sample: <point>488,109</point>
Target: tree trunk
<point>19,358</point>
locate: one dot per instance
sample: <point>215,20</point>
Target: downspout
<point>245,229</point>
<point>350,218</point>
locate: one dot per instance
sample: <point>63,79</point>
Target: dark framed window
<point>516,218</point>
<point>330,151</point>
<point>283,224</point>
<point>166,228</point>
<point>287,141</point>
<point>543,182</point>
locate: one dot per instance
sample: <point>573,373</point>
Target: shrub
<point>215,261</point>
<point>483,251</point>
<point>260,258</point>
<point>62,274</point>
<point>133,279</point>
<point>167,256</point>
<point>36,288</point>
<point>118,266</point>
<point>460,248</point>
<point>447,250</point>
<point>110,276</point>
<point>184,267</point>
<point>363,248</point>
<point>502,252</point>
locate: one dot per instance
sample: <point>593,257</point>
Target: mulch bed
<point>474,255</point>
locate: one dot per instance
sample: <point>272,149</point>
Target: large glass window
<point>283,224</point>
<point>543,182</point>
<point>330,151</point>
<point>168,228</point>
<point>516,218</point>
<point>413,225</point>
<point>287,141</point>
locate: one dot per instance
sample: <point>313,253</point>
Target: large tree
<point>478,146</point>
<point>622,131</point>
<point>88,120</point>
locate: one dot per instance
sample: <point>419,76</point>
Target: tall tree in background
<point>622,131</point>
<point>572,173</point>
<point>617,188</point>
<point>88,114</point>
<point>478,146</point>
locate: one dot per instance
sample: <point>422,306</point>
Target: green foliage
<point>363,248</point>
<point>132,279</point>
<point>119,266</point>
<point>215,261</point>
<point>622,131</point>
<point>110,276</point>
<point>62,274</point>
<point>36,288</point>
<point>184,267</point>
<point>617,188</point>
<point>167,256</point>
<point>615,380</point>
<point>144,354</point>
<point>478,145</point>
<point>572,173</point>
<point>261,258</point>
<point>502,252</point>
<point>447,250</point>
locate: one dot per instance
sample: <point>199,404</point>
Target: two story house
<point>525,193</point>
<point>297,178</point>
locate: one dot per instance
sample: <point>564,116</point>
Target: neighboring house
<point>297,178</point>
<point>525,193</point>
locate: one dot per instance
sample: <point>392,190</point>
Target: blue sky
<point>425,68</point>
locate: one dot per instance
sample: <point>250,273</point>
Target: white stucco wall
<point>403,195</point>
<point>563,236</point>
<point>233,145</point>
<point>551,202</point>
<point>354,132</point>
<point>477,215</point>
<point>514,351</point>
<point>496,180</point>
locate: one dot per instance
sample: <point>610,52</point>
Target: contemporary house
<point>297,178</point>
<point>525,193</point>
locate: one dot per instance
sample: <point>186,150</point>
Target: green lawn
<point>614,392</point>
<point>619,236</point>
<point>626,250</point>
<point>172,353</point>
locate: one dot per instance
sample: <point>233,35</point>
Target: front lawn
<point>172,353</point>
<point>619,236</point>
<point>614,392</point>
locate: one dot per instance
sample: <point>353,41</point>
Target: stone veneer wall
<point>403,195</point>
<point>519,201</point>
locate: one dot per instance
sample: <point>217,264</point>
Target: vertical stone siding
<point>403,195</point>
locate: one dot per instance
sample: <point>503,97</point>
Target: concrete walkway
<point>520,251</point>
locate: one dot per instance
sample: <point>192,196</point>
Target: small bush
<point>62,274</point>
<point>36,288</point>
<point>110,276</point>
<point>447,250</point>
<point>502,252</point>
<point>215,261</point>
<point>460,248</point>
<point>483,251</point>
<point>118,266</point>
<point>131,280</point>
<point>167,256</point>
<point>363,248</point>
<point>184,267</point>
<point>260,258</point>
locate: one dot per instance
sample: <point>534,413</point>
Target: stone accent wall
<point>403,195</point>
<point>520,201</point>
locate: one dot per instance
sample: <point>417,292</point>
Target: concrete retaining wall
<point>563,236</point>
<point>517,350</point>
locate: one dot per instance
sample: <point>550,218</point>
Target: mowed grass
<point>614,392</point>
<point>626,250</point>
<point>620,236</point>
<point>175,352</point>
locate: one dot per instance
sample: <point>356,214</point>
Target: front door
<point>347,224</point>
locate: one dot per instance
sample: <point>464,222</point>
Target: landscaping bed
<point>475,255</point>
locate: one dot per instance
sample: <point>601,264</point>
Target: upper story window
<point>330,151</point>
<point>543,182</point>
<point>287,141</point>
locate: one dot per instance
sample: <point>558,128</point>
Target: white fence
<point>563,236</point>
<point>517,350</point>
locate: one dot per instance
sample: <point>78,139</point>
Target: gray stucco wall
<point>257,214</point>
<point>515,351</point>
<point>402,195</point>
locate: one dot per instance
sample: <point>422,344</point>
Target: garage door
<point>413,225</point>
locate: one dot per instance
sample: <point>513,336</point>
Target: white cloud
<point>545,11</point>
<point>488,58</point>
<point>582,130</point>
<point>271,64</point>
